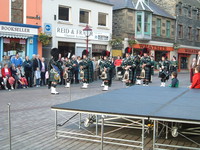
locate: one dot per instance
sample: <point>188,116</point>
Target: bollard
<point>9,126</point>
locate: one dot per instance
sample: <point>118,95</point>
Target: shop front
<point>185,56</point>
<point>97,50</point>
<point>155,51</point>
<point>74,40</point>
<point>18,38</point>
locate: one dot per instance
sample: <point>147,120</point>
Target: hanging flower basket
<point>44,38</point>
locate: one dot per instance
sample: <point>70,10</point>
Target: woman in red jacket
<point>196,79</point>
<point>7,76</point>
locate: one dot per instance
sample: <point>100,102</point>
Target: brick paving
<point>33,120</point>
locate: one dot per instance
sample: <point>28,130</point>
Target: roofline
<point>101,2</point>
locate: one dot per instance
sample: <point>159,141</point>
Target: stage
<point>144,108</point>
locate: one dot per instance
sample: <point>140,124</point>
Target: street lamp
<point>87,32</point>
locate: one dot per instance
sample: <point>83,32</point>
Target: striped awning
<point>13,35</point>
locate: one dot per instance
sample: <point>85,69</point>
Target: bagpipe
<point>81,72</point>
<point>65,74</point>
<point>104,75</point>
<point>126,75</point>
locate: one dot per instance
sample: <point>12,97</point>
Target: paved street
<point>33,120</point>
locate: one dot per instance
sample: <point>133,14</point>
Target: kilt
<point>54,76</point>
<point>86,74</point>
<point>147,73</point>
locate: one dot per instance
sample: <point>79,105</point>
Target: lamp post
<point>87,32</point>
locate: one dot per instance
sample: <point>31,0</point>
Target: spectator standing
<point>75,70</point>
<point>6,60</point>
<point>1,79</point>
<point>43,71</point>
<point>16,60</point>
<point>198,59</point>
<point>192,68</point>
<point>196,79</point>
<point>28,71</point>
<point>95,68</point>
<point>36,64</point>
<point>37,76</point>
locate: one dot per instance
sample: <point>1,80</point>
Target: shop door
<point>66,47</point>
<point>183,62</point>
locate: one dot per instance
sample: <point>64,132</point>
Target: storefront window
<point>17,11</point>
<point>184,63</point>
<point>84,16</point>
<point>158,55</point>
<point>63,13</point>
<point>13,46</point>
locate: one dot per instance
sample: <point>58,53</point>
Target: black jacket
<point>37,63</point>
<point>27,66</point>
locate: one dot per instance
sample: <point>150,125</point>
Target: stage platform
<point>155,104</point>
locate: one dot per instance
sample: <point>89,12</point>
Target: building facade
<point>20,22</point>
<point>66,21</point>
<point>147,23</point>
<point>187,37</point>
<point>163,26</point>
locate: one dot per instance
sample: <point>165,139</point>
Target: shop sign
<point>79,34</point>
<point>17,29</point>
<point>98,48</point>
<point>188,51</point>
<point>153,47</point>
<point>6,40</point>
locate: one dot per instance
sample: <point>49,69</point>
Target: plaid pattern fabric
<point>54,76</point>
<point>164,69</point>
<point>147,68</point>
<point>70,70</point>
<point>107,64</point>
<point>87,69</point>
<point>129,62</point>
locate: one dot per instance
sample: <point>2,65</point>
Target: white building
<point>66,19</point>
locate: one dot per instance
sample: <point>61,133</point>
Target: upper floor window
<point>158,27</point>
<point>17,11</point>
<point>147,23</point>
<point>63,13</point>
<point>168,24</point>
<point>84,16</point>
<point>102,19</point>
<point>180,31</point>
<point>139,22</point>
<point>189,33</point>
<point>198,14</point>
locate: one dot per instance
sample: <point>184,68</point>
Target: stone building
<point>187,39</point>
<point>147,23</point>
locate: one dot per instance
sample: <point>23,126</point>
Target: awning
<point>19,36</point>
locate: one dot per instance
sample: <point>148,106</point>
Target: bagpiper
<point>54,70</point>
<point>164,73</point>
<point>128,66</point>
<point>136,60</point>
<point>68,70</point>
<point>86,70</point>
<point>106,70</point>
<point>173,65</point>
<point>145,64</point>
